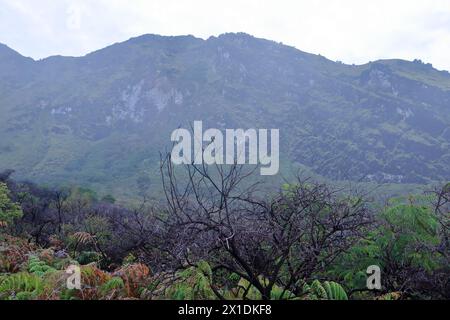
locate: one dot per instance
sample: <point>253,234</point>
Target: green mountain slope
<point>102,119</point>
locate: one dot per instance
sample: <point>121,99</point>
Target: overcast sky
<point>353,31</point>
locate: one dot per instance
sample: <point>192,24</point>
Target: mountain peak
<point>160,40</point>
<point>235,37</point>
<point>241,35</point>
<point>7,52</point>
<point>10,59</point>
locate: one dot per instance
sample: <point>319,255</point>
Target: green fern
<point>38,267</point>
<point>334,291</point>
<point>248,291</point>
<point>21,286</point>
<point>194,283</point>
<point>114,284</point>
<point>245,288</point>
<point>329,290</point>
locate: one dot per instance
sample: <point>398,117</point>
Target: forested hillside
<point>101,120</point>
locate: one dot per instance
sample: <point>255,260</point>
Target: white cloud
<point>354,31</point>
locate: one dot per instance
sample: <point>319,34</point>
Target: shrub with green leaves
<point>8,209</point>
<point>87,257</point>
<point>402,242</point>
<point>193,283</point>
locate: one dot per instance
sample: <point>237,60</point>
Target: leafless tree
<point>219,215</point>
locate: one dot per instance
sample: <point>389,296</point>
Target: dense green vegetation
<point>305,241</point>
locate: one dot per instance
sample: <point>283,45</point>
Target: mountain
<point>101,120</point>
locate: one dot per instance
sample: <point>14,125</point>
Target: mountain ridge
<point>101,119</point>
<point>151,36</point>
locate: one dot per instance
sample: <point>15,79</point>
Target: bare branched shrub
<point>281,240</point>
